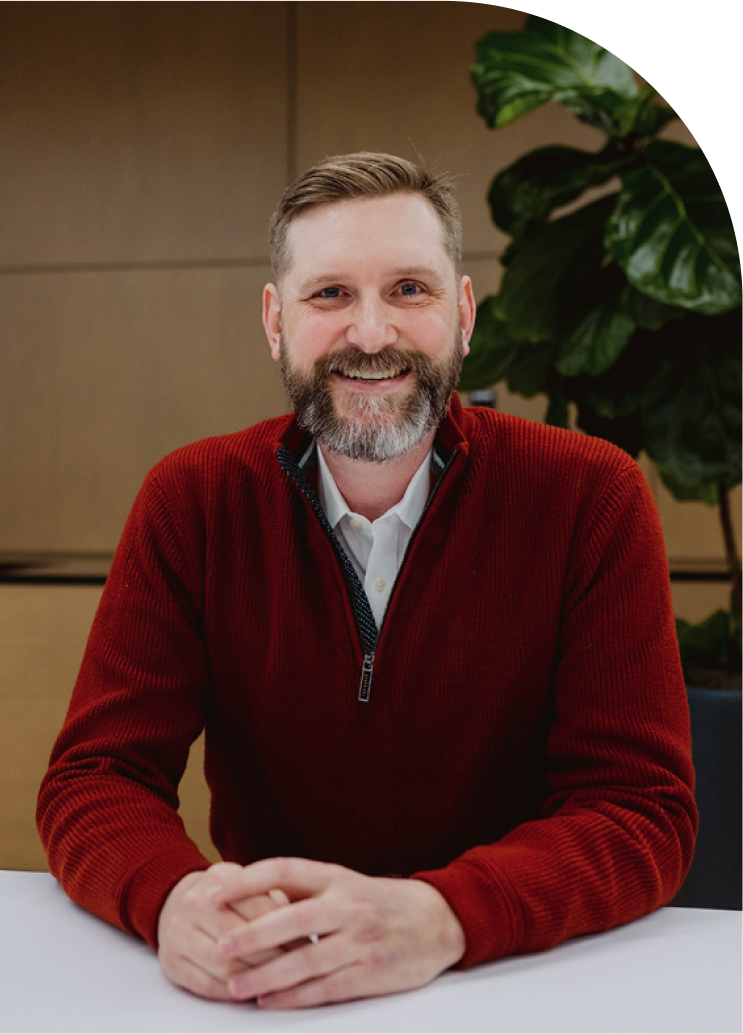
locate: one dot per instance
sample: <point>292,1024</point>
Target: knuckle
<point>193,896</point>
<point>285,867</point>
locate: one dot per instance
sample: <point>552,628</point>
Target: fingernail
<point>236,987</point>
<point>226,944</point>
<point>215,891</point>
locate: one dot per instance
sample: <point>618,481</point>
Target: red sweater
<point>525,744</point>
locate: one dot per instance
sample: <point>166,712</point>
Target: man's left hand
<point>344,935</point>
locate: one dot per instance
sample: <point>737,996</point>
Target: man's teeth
<point>374,376</point>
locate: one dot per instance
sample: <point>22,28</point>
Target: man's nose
<point>371,328</point>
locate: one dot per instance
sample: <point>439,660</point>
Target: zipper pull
<point>367,670</point>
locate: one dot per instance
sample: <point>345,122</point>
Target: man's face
<point>370,324</point>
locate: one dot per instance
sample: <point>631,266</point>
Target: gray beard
<point>379,428</point>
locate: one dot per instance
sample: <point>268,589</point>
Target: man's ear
<point>272,318</point>
<point>467,311</point>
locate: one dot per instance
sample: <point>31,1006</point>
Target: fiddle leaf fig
<point>627,309</point>
<point>527,191</point>
<point>517,72</point>
<point>647,313</point>
<point>692,417</point>
<point>685,492</point>
<point>531,370</point>
<point>671,232</point>
<point>545,279</point>
<point>598,340</point>
<point>706,644</point>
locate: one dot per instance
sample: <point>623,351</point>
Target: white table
<point>676,970</point>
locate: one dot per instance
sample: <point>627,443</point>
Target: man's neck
<point>371,489</point>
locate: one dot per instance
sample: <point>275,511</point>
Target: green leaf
<point>531,370</point>
<point>736,650</point>
<point>671,232</point>
<point>646,312</point>
<point>491,350</point>
<point>516,72</point>
<point>598,340</point>
<point>548,277</point>
<point>709,644</point>
<point>619,391</point>
<point>691,411</point>
<point>547,178</point>
<point>706,494</point>
<point>609,404</point>
<point>624,431</point>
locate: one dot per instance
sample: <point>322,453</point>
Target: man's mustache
<point>353,362</point>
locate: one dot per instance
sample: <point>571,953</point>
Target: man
<point>432,648</point>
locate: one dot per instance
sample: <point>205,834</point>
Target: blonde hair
<point>364,174</point>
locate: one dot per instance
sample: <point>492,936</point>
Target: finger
<point>250,909</point>
<point>187,974</point>
<point>197,951</point>
<point>293,968</point>
<point>298,922</point>
<point>341,986</point>
<point>254,907</point>
<point>296,877</point>
<point>197,927</point>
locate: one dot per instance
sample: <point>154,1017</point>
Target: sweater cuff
<point>145,892</point>
<point>483,907</point>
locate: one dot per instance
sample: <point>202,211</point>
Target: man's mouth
<point>371,377</point>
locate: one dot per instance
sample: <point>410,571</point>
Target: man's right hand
<point>191,924</point>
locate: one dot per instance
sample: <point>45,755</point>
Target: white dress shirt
<point>375,548</point>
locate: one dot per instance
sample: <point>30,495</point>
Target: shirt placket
<point>381,569</point>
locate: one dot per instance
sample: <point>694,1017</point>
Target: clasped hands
<point>288,932</point>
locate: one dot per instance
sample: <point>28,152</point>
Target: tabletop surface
<point>676,970</point>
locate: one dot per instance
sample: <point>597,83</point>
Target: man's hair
<point>365,174</point>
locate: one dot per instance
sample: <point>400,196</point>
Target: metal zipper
<point>367,667</point>
<point>367,671</point>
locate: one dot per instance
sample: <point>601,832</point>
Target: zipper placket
<point>367,667</point>
<point>368,645</point>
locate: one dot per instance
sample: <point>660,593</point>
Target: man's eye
<point>329,292</point>
<point>410,290</point>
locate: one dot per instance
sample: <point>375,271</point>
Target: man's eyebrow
<point>413,271</point>
<point>404,272</point>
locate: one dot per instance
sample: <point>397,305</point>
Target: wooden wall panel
<point>140,132</point>
<point>103,374</point>
<point>395,77</point>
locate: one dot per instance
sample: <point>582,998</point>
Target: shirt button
<point>355,523</point>
<point>380,585</point>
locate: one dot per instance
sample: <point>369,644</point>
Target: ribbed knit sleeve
<point>616,832</point>
<point>107,811</point>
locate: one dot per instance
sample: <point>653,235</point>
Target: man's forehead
<point>403,225</point>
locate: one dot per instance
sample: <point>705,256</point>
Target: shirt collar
<point>409,508</point>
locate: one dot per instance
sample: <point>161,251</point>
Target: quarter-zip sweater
<point>516,734</point>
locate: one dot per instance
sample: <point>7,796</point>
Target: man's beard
<point>376,427</point>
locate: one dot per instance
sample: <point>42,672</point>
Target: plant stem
<point>731,553</point>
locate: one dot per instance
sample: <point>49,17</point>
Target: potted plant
<point>621,289</point>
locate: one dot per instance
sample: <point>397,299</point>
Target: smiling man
<point>432,649</point>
